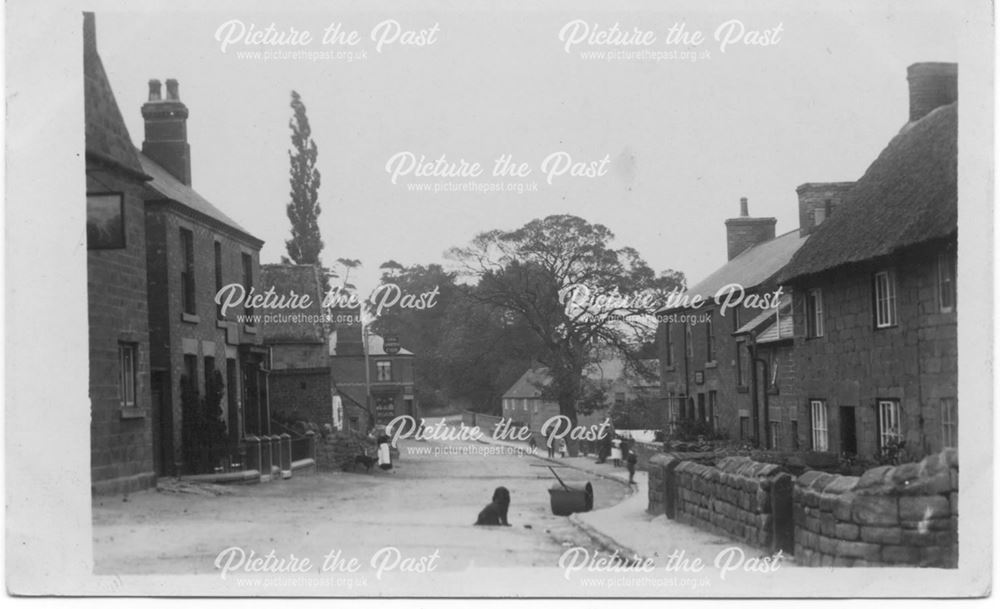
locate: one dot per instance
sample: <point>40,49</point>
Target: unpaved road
<point>428,505</point>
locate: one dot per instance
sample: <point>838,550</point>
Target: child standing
<point>630,461</point>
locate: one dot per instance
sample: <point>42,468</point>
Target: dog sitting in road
<point>495,513</point>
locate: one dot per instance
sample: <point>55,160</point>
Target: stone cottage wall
<point>902,515</point>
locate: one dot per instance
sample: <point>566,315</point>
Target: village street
<point>428,505</point>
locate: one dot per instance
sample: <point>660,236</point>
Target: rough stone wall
<point>915,362</point>
<point>337,451</point>
<point>903,515</point>
<point>733,498</point>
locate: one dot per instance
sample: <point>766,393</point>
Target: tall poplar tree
<point>303,210</point>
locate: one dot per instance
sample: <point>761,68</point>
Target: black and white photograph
<point>566,299</point>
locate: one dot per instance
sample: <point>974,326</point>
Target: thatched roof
<point>908,196</point>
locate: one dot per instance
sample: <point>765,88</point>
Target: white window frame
<point>383,371</point>
<point>946,273</point>
<point>885,299</point>
<point>775,434</point>
<point>128,373</point>
<point>820,429</point>
<point>889,424</point>
<point>949,423</point>
<point>815,303</point>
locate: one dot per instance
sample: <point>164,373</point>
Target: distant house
<point>524,404</point>
<point>121,396</point>
<point>193,251</point>
<point>300,380</point>
<point>374,385</point>
<point>875,336</point>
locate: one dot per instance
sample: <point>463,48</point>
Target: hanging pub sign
<point>390,344</point>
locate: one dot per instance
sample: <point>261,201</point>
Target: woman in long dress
<point>384,456</point>
<point>616,451</point>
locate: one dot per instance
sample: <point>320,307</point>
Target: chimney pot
<point>932,85</point>
<point>818,201</point>
<point>166,131</point>
<point>154,90</point>
<point>744,207</point>
<point>172,93</point>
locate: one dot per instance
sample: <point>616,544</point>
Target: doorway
<point>163,432</point>
<point>848,431</point>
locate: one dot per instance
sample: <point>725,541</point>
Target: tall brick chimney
<point>931,85</point>
<point>745,232</point>
<point>818,201</point>
<point>166,130</point>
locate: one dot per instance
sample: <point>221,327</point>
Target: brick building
<point>121,432</point>
<point>708,361</point>
<point>300,381</point>
<point>193,251</point>
<point>389,376</point>
<point>875,343</point>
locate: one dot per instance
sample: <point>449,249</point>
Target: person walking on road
<point>630,460</point>
<point>550,443</point>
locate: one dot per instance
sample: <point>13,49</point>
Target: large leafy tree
<point>467,352</point>
<point>530,272</point>
<point>303,210</point>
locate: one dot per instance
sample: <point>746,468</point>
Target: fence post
<point>312,444</point>
<point>286,455</point>
<point>670,488</point>
<point>253,453</point>
<point>265,458</point>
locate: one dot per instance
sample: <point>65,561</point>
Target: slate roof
<point>752,268</point>
<point>165,185</point>
<point>300,279</point>
<point>106,136</point>
<point>908,196</point>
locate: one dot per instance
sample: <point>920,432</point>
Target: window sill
<point>712,364</point>
<point>221,323</point>
<point>132,412</point>
<point>249,329</point>
<point>189,318</point>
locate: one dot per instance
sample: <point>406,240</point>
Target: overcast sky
<point>686,139</point>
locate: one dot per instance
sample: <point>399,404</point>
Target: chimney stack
<point>818,201</point>
<point>166,130</point>
<point>931,85</point>
<point>744,232</point>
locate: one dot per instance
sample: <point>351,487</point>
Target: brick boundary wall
<point>902,515</point>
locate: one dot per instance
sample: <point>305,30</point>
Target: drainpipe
<point>767,405</point>
<point>752,351</point>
